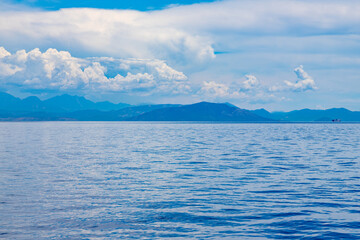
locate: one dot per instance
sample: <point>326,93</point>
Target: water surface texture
<point>110,180</point>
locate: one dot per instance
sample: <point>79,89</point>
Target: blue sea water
<point>117,180</point>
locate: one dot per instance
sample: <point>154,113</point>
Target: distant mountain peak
<point>32,98</point>
<point>204,103</point>
<point>202,111</point>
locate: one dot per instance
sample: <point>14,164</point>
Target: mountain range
<point>309,115</point>
<point>76,108</point>
<point>63,103</point>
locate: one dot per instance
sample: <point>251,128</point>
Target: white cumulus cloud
<point>58,70</point>
<point>249,87</point>
<point>251,82</point>
<point>214,89</point>
<point>3,52</point>
<point>304,81</point>
<point>250,90</point>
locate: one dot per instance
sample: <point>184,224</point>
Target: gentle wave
<point>109,180</point>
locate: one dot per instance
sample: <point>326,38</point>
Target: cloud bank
<point>115,33</point>
<point>254,90</point>
<point>58,70</point>
<point>55,70</point>
<point>184,35</point>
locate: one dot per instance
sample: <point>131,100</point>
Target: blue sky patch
<point>141,5</point>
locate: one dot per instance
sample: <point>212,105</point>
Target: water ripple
<point>109,180</point>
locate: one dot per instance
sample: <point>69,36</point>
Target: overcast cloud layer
<point>218,50</point>
<point>181,33</point>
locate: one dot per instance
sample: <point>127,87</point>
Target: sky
<point>275,54</point>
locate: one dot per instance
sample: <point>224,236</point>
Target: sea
<point>139,180</point>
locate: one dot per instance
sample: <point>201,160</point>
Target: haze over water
<point>112,180</point>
